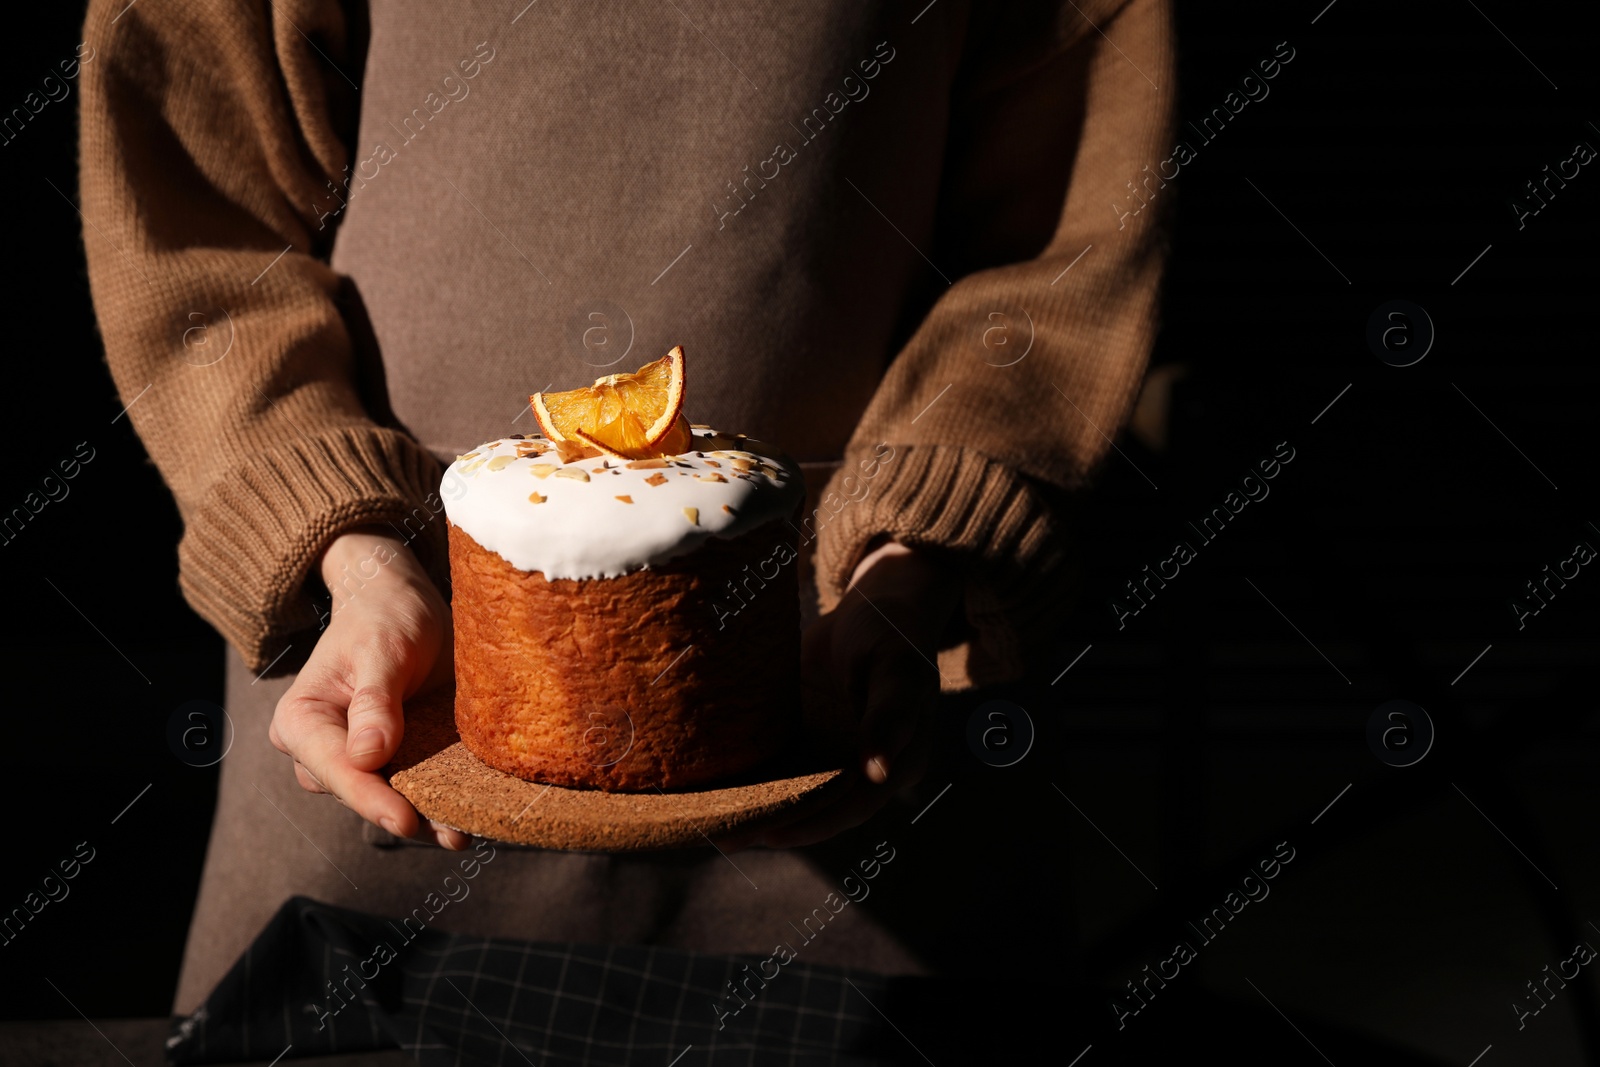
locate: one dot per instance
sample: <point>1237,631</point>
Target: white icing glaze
<point>581,529</point>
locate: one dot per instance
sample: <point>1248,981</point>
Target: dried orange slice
<point>676,442</point>
<point>629,415</point>
<point>678,439</point>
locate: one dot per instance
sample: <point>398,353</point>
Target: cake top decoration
<point>626,484</point>
<point>626,416</point>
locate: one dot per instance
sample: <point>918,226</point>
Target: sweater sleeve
<point>210,133</point>
<point>1009,391</point>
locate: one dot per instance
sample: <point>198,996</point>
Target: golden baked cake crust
<point>636,682</point>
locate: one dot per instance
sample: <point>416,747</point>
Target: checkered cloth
<point>315,983</point>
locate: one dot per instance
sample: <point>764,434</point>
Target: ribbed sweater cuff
<point>249,546</point>
<point>991,522</point>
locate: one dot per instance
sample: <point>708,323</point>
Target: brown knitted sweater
<point>330,246</point>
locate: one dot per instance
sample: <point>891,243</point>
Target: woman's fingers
<point>876,651</point>
<point>901,690</point>
<point>319,740</point>
<point>342,719</point>
<point>889,679</point>
<point>314,730</point>
<point>855,807</point>
<point>446,837</point>
<point>375,720</point>
<point>438,832</point>
<point>862,800</point>
<point>375,726</point>
<point>307,782</point>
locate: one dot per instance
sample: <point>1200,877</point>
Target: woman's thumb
<point>375,720</point>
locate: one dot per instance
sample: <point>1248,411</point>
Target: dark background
<point>1197,737</point>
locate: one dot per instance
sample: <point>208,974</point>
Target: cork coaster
<point>445,782</point>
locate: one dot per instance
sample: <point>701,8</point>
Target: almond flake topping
<point>570,451</point>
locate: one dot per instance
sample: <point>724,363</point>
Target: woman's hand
<point>341,720</point>
<point>876,653</point>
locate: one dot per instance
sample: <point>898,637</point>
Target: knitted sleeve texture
<point>1011,388</point>
<point>208,135</point>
